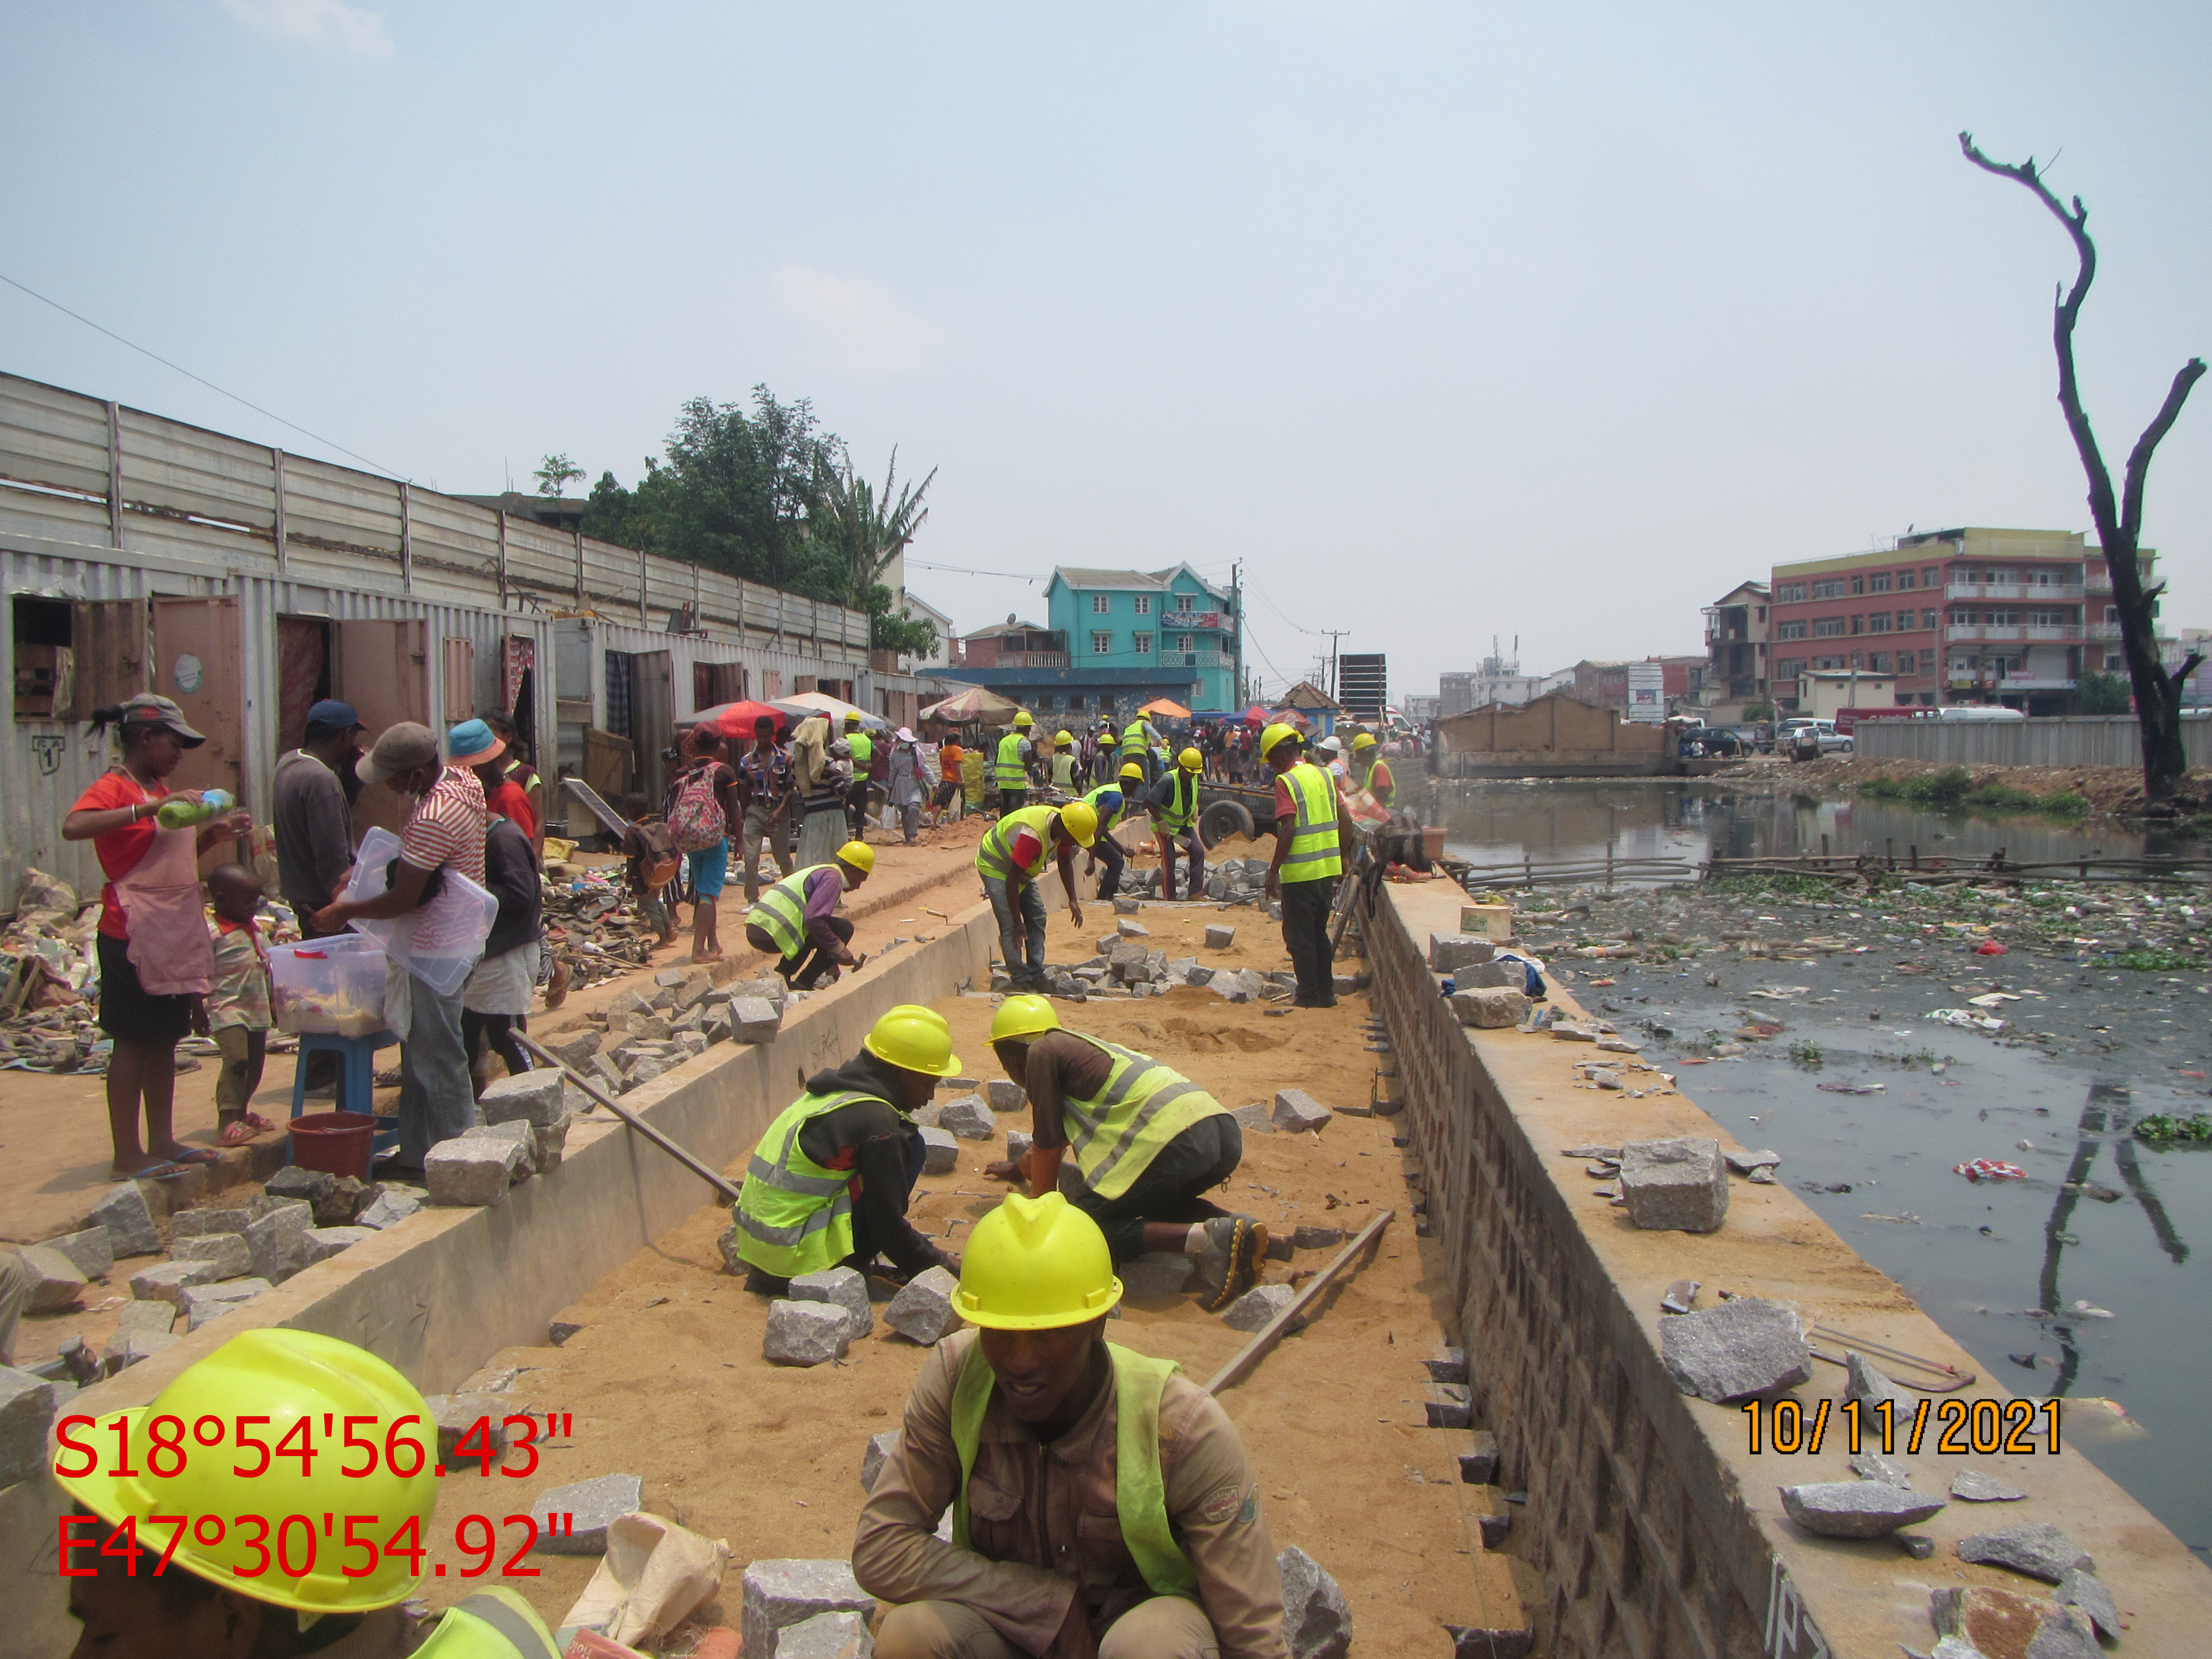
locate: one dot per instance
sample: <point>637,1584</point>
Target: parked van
<point>1978,711</point>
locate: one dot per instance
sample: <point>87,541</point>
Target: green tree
<point>863,531</point>
<point>2101,694</point>
<point>741,488</point>
<point>909,635</point>
<point>556,473</point>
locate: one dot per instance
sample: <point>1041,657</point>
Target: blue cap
<point>471,744</point>
<point>331,716</point>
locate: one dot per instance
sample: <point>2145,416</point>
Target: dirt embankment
<point>2115,791</point>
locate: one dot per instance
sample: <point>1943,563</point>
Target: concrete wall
<point>1549,727</point>
<point>445,1290</point>
<point>2068,740</point>
<point>1655,1533</point>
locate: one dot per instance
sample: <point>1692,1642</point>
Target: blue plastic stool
<point>356,1075</point>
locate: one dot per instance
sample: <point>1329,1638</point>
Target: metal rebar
<point>713,1177</point>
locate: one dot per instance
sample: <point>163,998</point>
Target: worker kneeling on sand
<point>829,1183</point>
<point>240,1579</point>
<point>1101,1504</point>
<point>1111,802</point>
<point>797,918</point>
<point>1148,1142</point>
<point>1011,858</point>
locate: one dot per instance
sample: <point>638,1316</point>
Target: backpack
<point>697,823</point>
<point>658,861</point>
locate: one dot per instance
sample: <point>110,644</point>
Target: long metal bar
<point>277,457</point>
<point>713,1177</point>
<point>1271,1333</point>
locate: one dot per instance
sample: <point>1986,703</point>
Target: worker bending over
<point>1112,801</point>
<point>1010,858</point>
<point>1148,1144</point>
<point>796,918</point>
<point>1173,803</point>
<point>236,1597</point>
<point>1011,775</point>
<point>1313,826</point>
<point>1370,771</point>
<point>1137,737</point>
<point>829,1183</point>
<point>1101,1504</point>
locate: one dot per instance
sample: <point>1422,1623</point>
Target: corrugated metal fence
<point>2064,740</point>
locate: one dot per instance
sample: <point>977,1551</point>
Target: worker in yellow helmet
<point>1148,1144</point>
<point>1370,771</point>
<point>829,1183</point>
<point>1012,855</point>
<point>1314,836</point>
<point>1106,765</point>
<point>1173,804</point>
<point>860,748</point>
<point>1112,801</point>
<point>1009,774</point>
<point>250,1574</point>
<point>1063,762</point>
<point>1101,1503</point>
<point>796,919</point>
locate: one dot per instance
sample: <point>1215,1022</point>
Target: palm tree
<point>864,530</point>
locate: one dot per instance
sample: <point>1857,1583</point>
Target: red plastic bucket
<point>338,1143</point>
<point>1432,841</point>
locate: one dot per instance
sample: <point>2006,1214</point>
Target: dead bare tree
<point>2119,527</point>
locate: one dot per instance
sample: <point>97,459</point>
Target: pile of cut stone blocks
<point>640,1035</point>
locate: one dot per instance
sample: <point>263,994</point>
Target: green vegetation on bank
<point>2156,960</point>
<point>2162,1129</point>
<point>1953,787</point>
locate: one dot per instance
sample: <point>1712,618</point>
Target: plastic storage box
<point>334,985</point>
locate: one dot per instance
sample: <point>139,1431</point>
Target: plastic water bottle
<point>182,811</point>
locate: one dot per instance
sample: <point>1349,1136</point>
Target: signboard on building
<point>1363,686</point>
<point>1647,691</point>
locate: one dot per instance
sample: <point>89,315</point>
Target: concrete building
<point>1498,679</point>
<point>1736,637</point>
<point>1605,680</point>
<point>2012,617</point>
<point>1820,692</point>
<point>920,610</point>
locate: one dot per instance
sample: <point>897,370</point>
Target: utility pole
<point>1334,635</point>
<point>1236,622</point>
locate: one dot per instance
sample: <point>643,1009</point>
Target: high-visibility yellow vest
<point>1133,736</point>
<point>1182,802</point>
<point>1108,816</point>
<point>1141,1496</point>
<point>862,747</point>
<point>1367,777</point>
<point>793,1216</point>
<point>1063,770</point>
<point>494,1623</point>
<point>994,855</point>
<point>1313,852</point>
<point>781,912</point>
<point>1012,775</point>
<point>1143,1106</point>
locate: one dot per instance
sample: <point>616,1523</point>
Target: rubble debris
<point>778,1594</point>
<point>1856,1509</point>
<point>754,1019</point>
<point>1449,953</point>
<point>55,1283</point>
<point>127,1347</point>
<point>805,1333</point>
<point>1678,1185</point>
<point>517,1133</point>
<point>1004,1095</point>
<point>1981,1619</point>
<point>1682,1296</point>
<point>1254,1119</point>
<point>1130,928</point>
<point>1296,1112</point>
<point>879,1447</point>
<point>91,1252</point>
<point>1490,1008</point>
<point>967,1117</point>
<point>940,1150</point>
<point>1867,1385</point>
<point>922,1311</point>
<point>841,1287</point>
<point>2034,1547</point>
<point>202,1303</point>
<point>2084,1591</point>
<point>194,1224</point>
<point>458,1414</point>
<point>1317,1617</point>
<point>227,1254</point>
<point>130,1230</point>
<point>388,1208</point>
<point>1975,1486</point>
<point>26,1412</point>
<point>1751,1345</point>
<point>1873,1466</point>
<point>274,1237</point>
<point>1745,1162</point>
<point>538,1098</point>
<point>1251,1311</point>
<point>466,1172</point>
<point>593,1505</point>
<point>166,1281</point>
<point>1306,1236</point>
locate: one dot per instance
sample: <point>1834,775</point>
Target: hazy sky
<point>1448,320</point>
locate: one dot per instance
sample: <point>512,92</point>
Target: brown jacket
<point>1042,1518</point>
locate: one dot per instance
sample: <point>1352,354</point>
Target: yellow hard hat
<point>851,717</point>
<point>1274,738</point>
<point>1022,717</point>
<point>1364,741</point>
<point>1134,770</point>
<point>1063,737</point>
<point>1190,760</point>
<point>1108,734</point>
<point>1021,1016</point>
<point>859,855</point>
<point>914,1039</point>
<point>1036,1264</point>
<point>1080,819</point>
<point>294,1381</point>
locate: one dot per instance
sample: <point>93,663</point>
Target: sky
<point>1448,321</point>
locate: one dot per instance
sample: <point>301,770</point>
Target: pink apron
<point>167,917</point>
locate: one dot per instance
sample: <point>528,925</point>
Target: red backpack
<point>697,823</point>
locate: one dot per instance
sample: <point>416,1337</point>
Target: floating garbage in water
<point>2088,1312</point>
<point>1966,1020</point>
<point>1989,1168</point>
<point>1989,947</point>
<point>1850,1088</point>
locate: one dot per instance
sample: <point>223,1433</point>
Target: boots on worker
<point>1229,1264</point>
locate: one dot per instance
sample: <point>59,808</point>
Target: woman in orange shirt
<point>155,961</point>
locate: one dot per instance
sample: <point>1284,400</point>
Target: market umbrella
<point>735,720</point>
<point>1255,715</point>
<point>808,704</point>
<point>974,704</point>
<point>1167,708</point>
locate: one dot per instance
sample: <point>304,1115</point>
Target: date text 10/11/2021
<point>1983,1427</point>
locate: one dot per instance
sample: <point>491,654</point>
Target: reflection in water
<point>1495,822</point>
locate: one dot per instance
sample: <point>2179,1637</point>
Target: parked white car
<point>1822,734</point>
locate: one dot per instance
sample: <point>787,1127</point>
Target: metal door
<point>652,719</point>
<point>198,660</point>
<point>383,669</point>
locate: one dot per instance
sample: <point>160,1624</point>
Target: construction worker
<point>829,1183</point>
<point>1313,828</point>
<point>1137,737</point>
<point>862,749</point>
<point>1108,764</point>
<point>1148,1143</point>
<point>1173,804</point>
<point>260,1591</point>
<point>1011,777</point>
<point>1010,858</point>
<point>796,918</point>
<point>1370,771</point>
<point>1112,801</point>
<point>1101,1502</point>
<point>1063,763</point>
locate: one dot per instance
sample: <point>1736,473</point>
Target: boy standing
<point>653,863</point>
<point>235,1011</point>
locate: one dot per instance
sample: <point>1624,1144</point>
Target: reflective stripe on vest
<point>1063,769</point>
<point>994,857</point>
<point>1108,816</point>
<point>862,748</point>
<point>1313,852</point>
<point>1012,774</point>
<point>1182,801</point>
<point>792,1215</point>
<point>1143,1107</point>
<point>1133,737</point>
<point>781,912</point>
<point>494,1624</point>
<point>1140,1496</point>
<point>1367,777</point>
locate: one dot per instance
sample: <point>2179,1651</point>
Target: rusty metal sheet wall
<point>51,437</point>
<point>336,512</point>
<point>176,468</point>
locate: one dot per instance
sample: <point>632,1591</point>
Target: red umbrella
<point>735,720</point>
<point>1255,715</point>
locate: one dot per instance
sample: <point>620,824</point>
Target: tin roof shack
<point>1554,735</point>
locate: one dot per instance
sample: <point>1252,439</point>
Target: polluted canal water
<point>1797,1013</point>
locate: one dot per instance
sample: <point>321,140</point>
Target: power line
<point>202,379</point>
<point>961,570</point>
